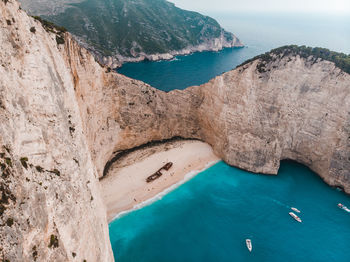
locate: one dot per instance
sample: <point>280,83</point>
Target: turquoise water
<point>260,33</point>
<point>209,218</point>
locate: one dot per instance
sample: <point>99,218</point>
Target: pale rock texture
<point>69,116</point>
<point>55,201</point>
<point>297,109</point>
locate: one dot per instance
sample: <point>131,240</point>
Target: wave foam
<point>160,195</point>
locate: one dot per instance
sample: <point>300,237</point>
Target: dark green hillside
<point>131,27</point>
<point>341,60</point>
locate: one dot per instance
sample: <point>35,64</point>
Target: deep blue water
<point>209,218</point>
<point>260,33</point>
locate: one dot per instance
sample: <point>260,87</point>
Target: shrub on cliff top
<point>9,222</point>
<point>56,172</point>
<point>340,60</point>
<point>51,27</point>
<point>53,241</point>
<point>59,40</point>
<point>24,161</point>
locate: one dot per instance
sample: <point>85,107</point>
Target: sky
<point>341,7</point>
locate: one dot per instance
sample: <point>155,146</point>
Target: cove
<point>259,32</point>
<point>190,70</point>
<point>209,218</point>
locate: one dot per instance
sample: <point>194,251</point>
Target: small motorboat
<point>248,242</point>
<point>344,207</point>
<point>293,215</point>
<point>295,209</point>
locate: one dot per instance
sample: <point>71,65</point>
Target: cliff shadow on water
<point>311,172</point>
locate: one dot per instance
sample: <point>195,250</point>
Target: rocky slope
<point>50,205</point>
<point>118,31</point>
<point>63,117</point>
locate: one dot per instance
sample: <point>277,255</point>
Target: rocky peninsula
<point>120,31</point>
<point>64,117</point>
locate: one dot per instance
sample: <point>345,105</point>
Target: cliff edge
<point>285,106</point>
<point>50,204</point>
<point>63,117</point>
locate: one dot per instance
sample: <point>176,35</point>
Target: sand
<point>125,187</point>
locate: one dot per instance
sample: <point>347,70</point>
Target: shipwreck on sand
<point>158,174</point>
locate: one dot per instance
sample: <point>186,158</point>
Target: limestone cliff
<point>50,205</point>
<point>63,117</point>
<point>263,112</point>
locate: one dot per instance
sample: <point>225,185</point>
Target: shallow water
<point>209,218</point>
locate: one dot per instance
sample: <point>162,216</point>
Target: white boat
<point>249,244</point>
<point>295,209</point>
<point>344,207</point>
<point>295,217</point>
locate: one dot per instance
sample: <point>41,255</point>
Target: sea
<point>259,33</point>
<point>208,218</point>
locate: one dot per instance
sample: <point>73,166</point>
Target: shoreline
<point>168,190</point>
<point>170,56</point>
<point>125,188</point>
<point>117,62</point>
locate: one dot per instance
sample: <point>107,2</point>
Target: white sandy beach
<point>125,186</point>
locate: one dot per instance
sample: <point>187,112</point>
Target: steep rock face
<point>63,117</point>
<point>295,108</point>
<point>50,206</point>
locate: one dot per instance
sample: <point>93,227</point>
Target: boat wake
<point>346,209</point>
<point>280,203</point>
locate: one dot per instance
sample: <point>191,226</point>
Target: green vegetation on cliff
<point>52,28</point>
<point>129,28</point>
<point>341,60</point>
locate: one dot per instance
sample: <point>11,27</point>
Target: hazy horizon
<point>281,23</point>
<point>330,7</point>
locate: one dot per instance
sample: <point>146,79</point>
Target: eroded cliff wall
<point>294,108</point>
<point>63,117</point>
<point>254,116</point>
<point>50,205</point>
